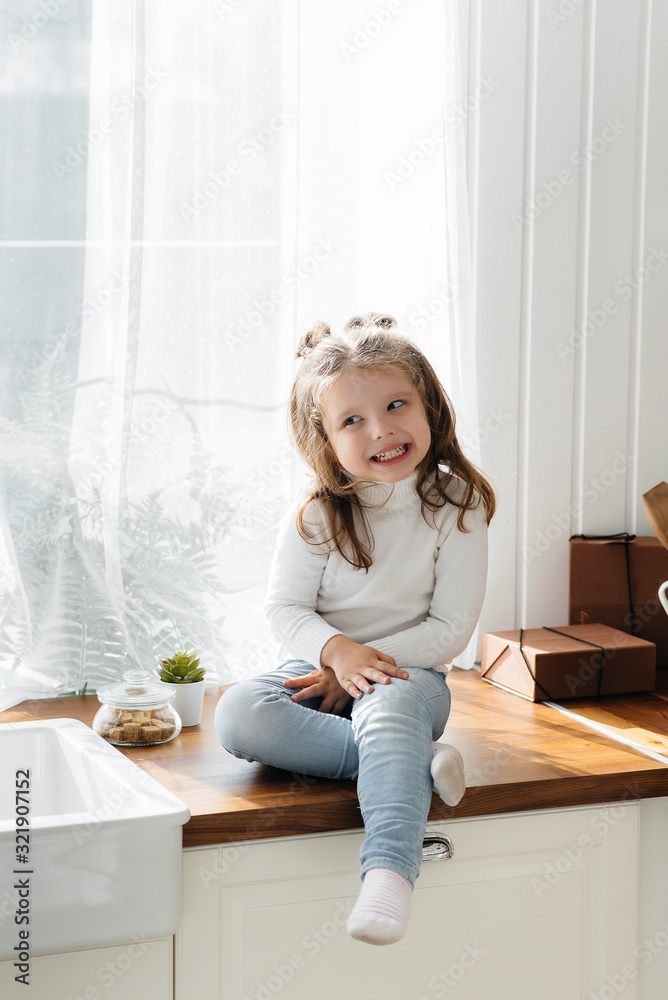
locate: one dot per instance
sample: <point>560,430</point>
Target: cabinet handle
<point>437,848</point>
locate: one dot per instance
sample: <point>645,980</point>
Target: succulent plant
<point>182,668</point>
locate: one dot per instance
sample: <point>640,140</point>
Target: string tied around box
<point>567,636</point>
<point>621,536</point>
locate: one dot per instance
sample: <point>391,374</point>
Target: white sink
<point>104,858</point>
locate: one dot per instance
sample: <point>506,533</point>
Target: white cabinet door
<point>135,971</point>
<point>531,905</point>
<point>652,949</point>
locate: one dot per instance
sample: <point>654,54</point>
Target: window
<point>187,189</point>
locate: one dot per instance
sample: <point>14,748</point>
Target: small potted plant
<point>184,672</point>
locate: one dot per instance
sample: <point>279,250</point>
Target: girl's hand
<point>323,684</point>
<point>355,665</point>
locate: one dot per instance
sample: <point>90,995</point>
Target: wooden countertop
<point>518,756</point>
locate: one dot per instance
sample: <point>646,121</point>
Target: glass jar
<point>137,711</point>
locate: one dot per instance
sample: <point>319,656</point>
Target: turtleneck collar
<point>390,495</point>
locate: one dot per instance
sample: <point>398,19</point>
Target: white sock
<point>447,770</point>
<point>382,908</point>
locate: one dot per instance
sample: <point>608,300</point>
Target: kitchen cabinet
<point>531,904</point>
<point>137,970</point>
<point>558,887</point>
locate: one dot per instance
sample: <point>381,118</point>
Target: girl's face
<point>376,424</point>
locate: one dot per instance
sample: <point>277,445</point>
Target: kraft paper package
<point>614,580</point>
<point>571,661</point>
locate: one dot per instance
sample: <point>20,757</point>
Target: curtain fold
<point>216,178</point>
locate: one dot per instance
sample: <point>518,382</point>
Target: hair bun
<point>317,332</point>
<point>382,320</point>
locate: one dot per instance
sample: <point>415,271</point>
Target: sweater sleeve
<point>292,592</point>
<point>461,576</point>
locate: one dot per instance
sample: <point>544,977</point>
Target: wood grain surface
<point>642,718</point>
<point>518,756</point>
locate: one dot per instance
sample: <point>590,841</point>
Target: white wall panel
<point>652,318</point>
<point>496,159</point>
<point>576,138</point>
<point>552,192</point>
<point>614,210</point>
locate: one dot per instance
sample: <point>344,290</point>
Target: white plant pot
<point>188,702</point>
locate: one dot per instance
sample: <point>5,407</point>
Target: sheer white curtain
<point>382,178</point>
<point>225,173</point>
<point>382,170</point>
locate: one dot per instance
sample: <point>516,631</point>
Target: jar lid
<point>137,690</point>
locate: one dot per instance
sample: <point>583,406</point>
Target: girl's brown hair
<point>367,342</point>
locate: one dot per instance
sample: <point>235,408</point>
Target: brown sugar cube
<point>116,734</point>
<point>142,716</point>
<point>131,732</point>
<point>166,728</point>
<point>150,734</point>
<point>126,717</point>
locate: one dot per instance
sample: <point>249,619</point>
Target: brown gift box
<point>599,587</point>
<point>566,663</point>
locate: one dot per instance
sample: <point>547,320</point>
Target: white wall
<point>576,424</point>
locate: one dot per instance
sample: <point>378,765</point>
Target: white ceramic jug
<point>662,596</point>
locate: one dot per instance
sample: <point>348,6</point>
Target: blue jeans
<point>385,745</point>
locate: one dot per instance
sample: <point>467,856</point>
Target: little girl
<point>377,583</point>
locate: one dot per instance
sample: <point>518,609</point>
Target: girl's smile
<point>376,424</point>
<point>396,455</point>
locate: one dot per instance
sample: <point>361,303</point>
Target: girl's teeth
<point>385,456</point>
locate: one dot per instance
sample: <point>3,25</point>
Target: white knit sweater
<point>419,601</point>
